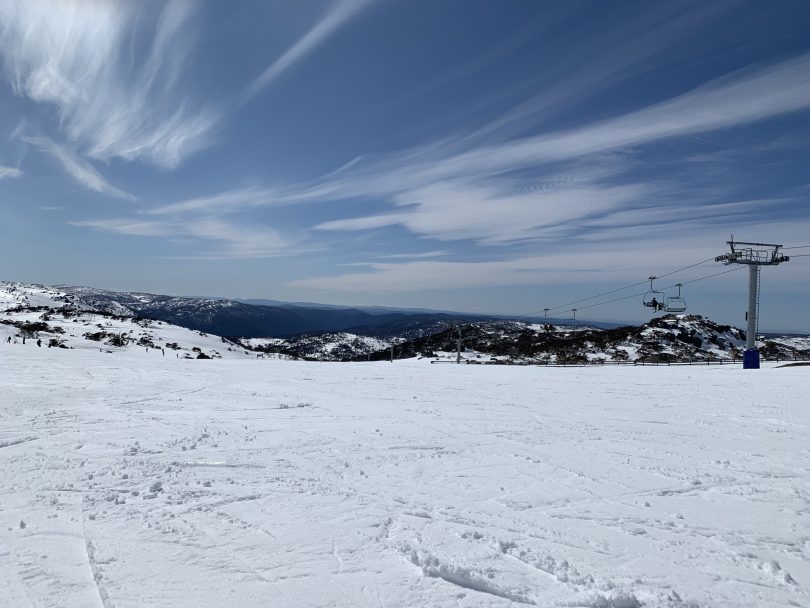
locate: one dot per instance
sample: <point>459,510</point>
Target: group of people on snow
<point>39,341</point>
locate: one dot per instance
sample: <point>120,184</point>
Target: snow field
<point>140,481</point>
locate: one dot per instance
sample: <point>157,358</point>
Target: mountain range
<point>262,318</point>
<point>214,328</point>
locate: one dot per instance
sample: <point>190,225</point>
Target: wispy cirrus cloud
<point>527,188</point>
<point>642,43</point>
<point>491,214</point>
<point>415,256</point>
<point>418,275</point>
<point>10,172</point>
<point>549,186</point>
<point>79,57</point>
<point>621,255</point>
<point>470,195</point>
<point>222,202</point>
<point>333,19</point>
<point>212,237</point>
<point>79,169</point>
<point>127,226</point>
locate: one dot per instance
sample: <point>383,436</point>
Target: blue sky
<point>464,154</point>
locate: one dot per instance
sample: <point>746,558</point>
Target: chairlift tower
<point>545,313</point>
<point>573,314</point>
<point>755,256</point>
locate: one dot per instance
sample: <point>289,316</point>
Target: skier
<point>39,343</point>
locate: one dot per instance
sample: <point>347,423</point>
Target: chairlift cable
<point>596,296</point>
<point>716,274</point>
<point>661,276</point>
<point>605,293</point>
<point>636,295</point>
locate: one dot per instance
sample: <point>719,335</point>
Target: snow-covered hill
<point>339,346</point>
<point>673,338</point>
<point>34,314</point>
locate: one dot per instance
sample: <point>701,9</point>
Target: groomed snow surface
<point>142,481</point>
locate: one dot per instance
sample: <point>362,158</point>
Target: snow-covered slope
<point>30,313</point>
<point>150,482</point>
<point>671,338</point>
<point>330,346</point>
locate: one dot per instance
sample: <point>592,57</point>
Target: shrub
<point>118,340</point>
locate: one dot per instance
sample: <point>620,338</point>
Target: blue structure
<point>751,359</point>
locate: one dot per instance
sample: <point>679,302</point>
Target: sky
<point>472,155</point>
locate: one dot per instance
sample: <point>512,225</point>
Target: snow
<point>800,342</point>
<point>133,480</point>
<point>144,338</point>
<point>328,346</point>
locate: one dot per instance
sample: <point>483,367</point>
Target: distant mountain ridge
<point>225,317</point>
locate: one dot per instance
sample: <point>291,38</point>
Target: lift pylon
<point>755,256</point>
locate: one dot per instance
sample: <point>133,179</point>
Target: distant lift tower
<point>755,255</point>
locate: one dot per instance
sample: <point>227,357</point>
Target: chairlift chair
<point>657,300</point>
<point>676,303</point>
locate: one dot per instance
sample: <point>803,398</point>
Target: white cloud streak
<point>227,240</point>
<point>78,56</point>
<point>415,256</point>
<point>475,195</point>
<point>237,199</point>
<point>334,18</point>
<point>458,210</point>
<point>464,196</point>
<point>79,169</point>
<point>128,227</point>
<point>740,99</point>
<point>10,172</point>
<point>620,261</point>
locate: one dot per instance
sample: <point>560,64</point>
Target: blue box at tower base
<point>751,359</point>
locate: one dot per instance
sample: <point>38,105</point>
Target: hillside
<point>671,338</point>
<point>226,317</point>
<point>30,313</point>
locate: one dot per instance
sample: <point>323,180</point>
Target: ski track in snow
<point>135,481</point>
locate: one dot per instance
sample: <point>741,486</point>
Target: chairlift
<point>657,300</point>
<point>676,303</point>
